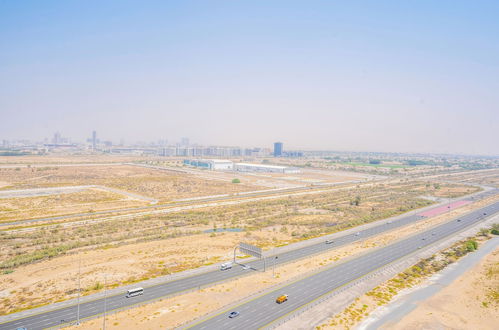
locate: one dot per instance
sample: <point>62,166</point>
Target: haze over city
<point>371,76</point>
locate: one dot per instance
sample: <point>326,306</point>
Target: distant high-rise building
<point>278,149</point>
<point>57,138</point>
<point>184,142</point>
<point>94,139</point>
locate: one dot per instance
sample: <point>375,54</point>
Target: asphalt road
<point>92,308</point>
<point>263,310</point>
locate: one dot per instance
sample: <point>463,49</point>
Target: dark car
<point>329,241</point>
<point>233,314</point>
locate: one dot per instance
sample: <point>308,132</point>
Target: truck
<point>281,299</point>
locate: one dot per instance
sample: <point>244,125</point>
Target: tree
<point>471,246</point>
<point>236,181</point>
<point>356,201</point>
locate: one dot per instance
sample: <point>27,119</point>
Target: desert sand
<point>470,302</point>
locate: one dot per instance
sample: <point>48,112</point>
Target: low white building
<point>212,164</point>
<point>248,167</point>
<point>221,164</point>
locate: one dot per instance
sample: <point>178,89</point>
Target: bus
<point>134,292</point>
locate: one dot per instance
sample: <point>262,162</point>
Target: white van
<point>225,266</point>
<point>134,292</point>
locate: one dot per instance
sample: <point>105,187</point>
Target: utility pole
<point>79,289</point>
<point>105,287</point>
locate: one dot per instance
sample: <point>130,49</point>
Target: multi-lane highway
<point>263,310</point>
<point>92,308</point>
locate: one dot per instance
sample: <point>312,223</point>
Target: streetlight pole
<point>79,289</point>
<point>105,287</point>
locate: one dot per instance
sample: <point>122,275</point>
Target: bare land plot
<point>178,242</point>
<point>161,185</point>
<point>89,200</point>
<point>487,177</point>
<point>309,177</point>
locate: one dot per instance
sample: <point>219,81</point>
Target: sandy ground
<point>486,177</point>
<point>178,310</point>
<point>89,200</point>
<point>160,185</point>
<point>140,180</point>
<point>468,303</point>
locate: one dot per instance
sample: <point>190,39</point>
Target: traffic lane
<point>344,273</point>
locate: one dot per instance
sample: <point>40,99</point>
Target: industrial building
<point>211,164</point>
<point>227,165</point>
<point>247,167</point>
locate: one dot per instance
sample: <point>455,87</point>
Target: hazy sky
<point>410,76</point>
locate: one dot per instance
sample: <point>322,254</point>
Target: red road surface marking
<point>443,209</point>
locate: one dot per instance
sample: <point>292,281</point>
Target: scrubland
<point>486,177</point>
<point>90,200</point>
<point>178,241</point>
<point>161,185</point>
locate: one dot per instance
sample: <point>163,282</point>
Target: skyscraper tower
<point>277,149</point>
<point>94,139</point>
<point>57,138</point>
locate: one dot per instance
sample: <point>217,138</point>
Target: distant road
<point>89,309</point>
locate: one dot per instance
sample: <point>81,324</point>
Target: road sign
<point>250,250</point>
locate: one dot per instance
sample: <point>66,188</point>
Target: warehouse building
<point>210,164</point>
<point>247,167</point>
<point>227,165</point>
